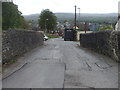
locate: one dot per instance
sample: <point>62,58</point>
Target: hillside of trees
<point>84,17</point>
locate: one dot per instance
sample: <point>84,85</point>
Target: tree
<point>47,20</point>
<point>11,16</point>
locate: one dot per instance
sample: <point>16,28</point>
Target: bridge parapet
<point>106,42</point>
<point>17,42</point>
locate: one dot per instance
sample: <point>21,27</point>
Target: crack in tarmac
<point>90,68</point>
<point>14,71</point>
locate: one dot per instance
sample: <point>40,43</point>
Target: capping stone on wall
<point>105,42</point>
<point>17,42</point>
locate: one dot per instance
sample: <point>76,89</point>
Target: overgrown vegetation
<point>12,17</point>
<point>9,63</point>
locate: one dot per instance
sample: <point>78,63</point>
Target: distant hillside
<point>31,17</point>
<point>110,17</point>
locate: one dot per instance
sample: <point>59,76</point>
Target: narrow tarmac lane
<point>84,68</point>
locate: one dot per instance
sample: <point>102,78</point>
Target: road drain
<point>103,65</point>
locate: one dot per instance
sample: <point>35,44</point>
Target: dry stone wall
<point>106,42</point>
<point>17,42</point>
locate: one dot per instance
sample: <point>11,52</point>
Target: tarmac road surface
<point>66,65</point>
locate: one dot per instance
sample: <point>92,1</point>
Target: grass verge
<point>52,36</point>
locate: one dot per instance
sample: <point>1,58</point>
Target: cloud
<point>87,6</point>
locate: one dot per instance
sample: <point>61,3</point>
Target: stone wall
<point>119,44</point>
<point>17,42</point>
<point>105,42</point>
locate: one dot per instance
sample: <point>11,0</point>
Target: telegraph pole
<point>85,27</point>
<point>79,14</point>
<point>75,17</point>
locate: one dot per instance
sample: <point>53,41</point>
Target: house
<point>93,26</point>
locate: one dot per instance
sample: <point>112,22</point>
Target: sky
<point>56,6</point>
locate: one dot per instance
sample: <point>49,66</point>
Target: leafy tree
<point>11,16</point>
<point>47,20</point>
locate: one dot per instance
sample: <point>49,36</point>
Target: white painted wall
<point>117,26</point>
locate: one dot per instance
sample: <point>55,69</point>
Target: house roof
<point>76,27</point>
